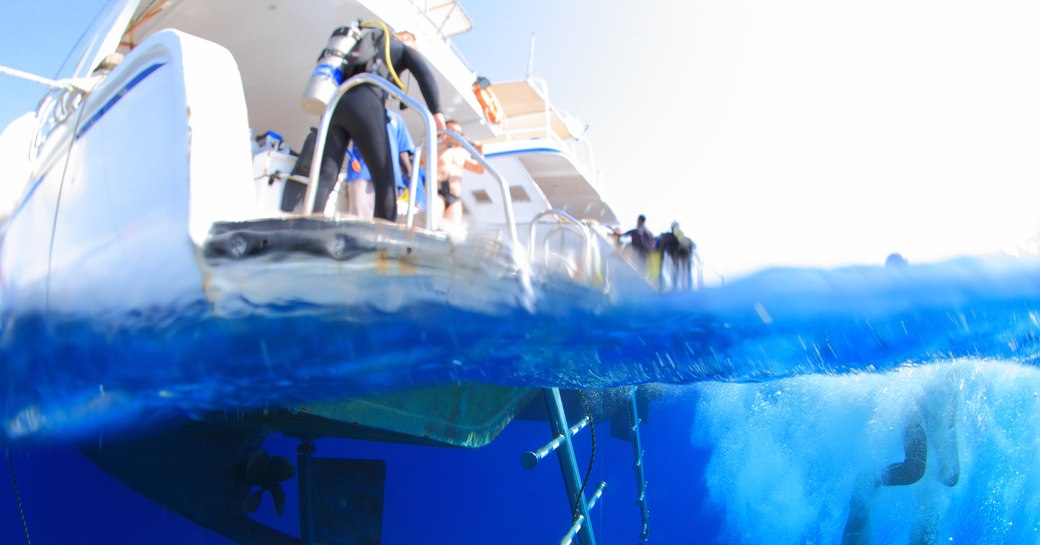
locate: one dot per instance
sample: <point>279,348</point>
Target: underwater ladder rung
<point>562,434</point>
<point>580,520</point>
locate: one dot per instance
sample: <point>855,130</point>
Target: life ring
<point>488,102</point>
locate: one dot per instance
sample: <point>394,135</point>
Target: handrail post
<point>507,198</point>
<point>323,134</point>
<point>586,250</point>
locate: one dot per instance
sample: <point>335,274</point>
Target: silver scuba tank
<point>327,75</point>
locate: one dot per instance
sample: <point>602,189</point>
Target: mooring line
<point>18,496</point>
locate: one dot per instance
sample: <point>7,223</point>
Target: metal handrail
<point>583,229</point>
<point>701,266</point>
<point>507,198</point>
<point>431,150</point>
<point>561,230</point>
<point>323,133</point>
<point>578,145</point>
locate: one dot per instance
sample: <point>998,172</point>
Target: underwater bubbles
<point>945,452</point>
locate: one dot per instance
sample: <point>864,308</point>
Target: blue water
<point>772,399</point>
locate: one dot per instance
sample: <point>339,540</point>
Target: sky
<point>795,133</point>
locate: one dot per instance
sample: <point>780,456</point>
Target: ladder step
<point>580,519</point>
<point>530,459</point>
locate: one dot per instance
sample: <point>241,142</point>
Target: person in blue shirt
<point>402,147</point>
<point>358,180</point>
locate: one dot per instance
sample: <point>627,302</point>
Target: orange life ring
<point>489,103</point>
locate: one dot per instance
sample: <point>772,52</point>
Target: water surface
<point>772,399</point>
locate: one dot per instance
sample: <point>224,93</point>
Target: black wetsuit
<point>642,241</point>
<point>361,116</point>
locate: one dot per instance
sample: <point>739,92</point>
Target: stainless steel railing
<point>507,198</point>
<point>591,264</point>
<point>430,142</point>
<point>323,133</point>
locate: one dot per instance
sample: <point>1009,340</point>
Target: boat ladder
<point>589,269</point>
<point>637,451</point>
<point>563,434</point>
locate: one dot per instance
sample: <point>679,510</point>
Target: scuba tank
<point>328,74</point>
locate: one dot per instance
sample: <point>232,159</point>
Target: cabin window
<point>519,194</point>
<point>482,196</point>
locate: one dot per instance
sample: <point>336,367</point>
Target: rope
<point>18,497</point>
<point>592,455</point>
<point>63,84</point>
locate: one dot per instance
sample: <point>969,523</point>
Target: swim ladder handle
<point>323,133</point>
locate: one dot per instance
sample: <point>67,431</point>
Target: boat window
<point>519,194</point>
<point>481,196</point>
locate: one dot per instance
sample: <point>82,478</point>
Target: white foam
<point>787,455</point>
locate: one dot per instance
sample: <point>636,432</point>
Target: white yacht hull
<point>139,193</point>
<point>124,191</point>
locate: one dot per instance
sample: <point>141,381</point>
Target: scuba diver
<point>937,419</point>
<point>676,259</point>
<point>941,424</point>
<point>943,427</point>
<point>361,115</point>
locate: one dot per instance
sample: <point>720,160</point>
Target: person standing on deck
<point>361,117</point>
<point>642,239</point>
<point>452,160</point>
<point>676,251</point>
<point>402,148</point>
<point>357,183</point>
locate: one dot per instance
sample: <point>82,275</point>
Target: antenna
<point>530,59</point>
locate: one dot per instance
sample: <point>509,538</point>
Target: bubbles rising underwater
<point>790,458</point>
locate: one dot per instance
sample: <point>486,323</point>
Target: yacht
<point>156,168</point>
